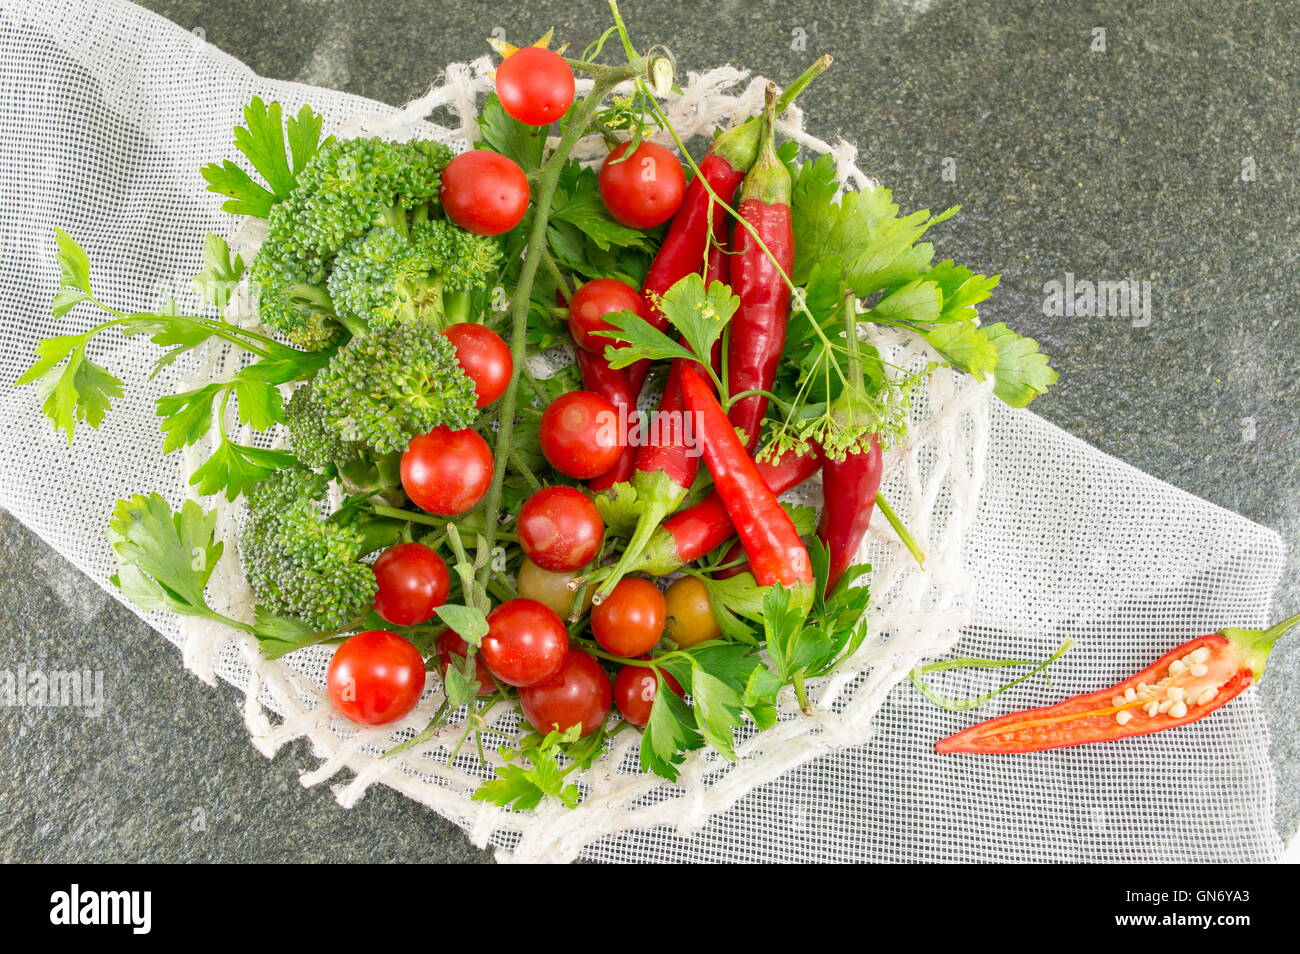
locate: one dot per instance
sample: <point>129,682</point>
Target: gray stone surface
<point>1125,163</point>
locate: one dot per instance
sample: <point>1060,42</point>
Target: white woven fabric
<point>107,113</point>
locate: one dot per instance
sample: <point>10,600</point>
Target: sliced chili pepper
<point>772,543</point>
<point>1182,686</point>
<point>851,476</point>
<point>758,277</point>
<point>691,533</point>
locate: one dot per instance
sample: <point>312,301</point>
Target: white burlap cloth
<point>107,113</point>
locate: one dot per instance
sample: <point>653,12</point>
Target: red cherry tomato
<point>560,529</point>
<point>447,472</point>
<point>631,619</point>
<point>634,692</point>
<point>580,434</point>
<point>375,677</point>
<point>484,192</point>
<point>578,693</point>
<point>592,302</point>
<point>484,357</point>
<point>525,643</point>
<point>450,644</point>
<point>535,86</point>
<point>413,582</point>
<point>645,189</point>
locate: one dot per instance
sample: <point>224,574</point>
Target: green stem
<point>553,267</point>
<point>801,694</point>
<point>605,81</point>
<point>521,465</point>
<point>883,506</point>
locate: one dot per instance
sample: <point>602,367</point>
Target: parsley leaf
<point>234,468</point>
<point>1022,370</point>
<point>524,788</point>
<point>164,560</point>
<point>508,136</point>
<point>262,142</point>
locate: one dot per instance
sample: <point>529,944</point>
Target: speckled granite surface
<point>1169,157</point>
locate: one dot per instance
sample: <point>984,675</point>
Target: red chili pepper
<point>1180,687</point>
<point>723,168</point>
<point>664,471</point>
<point>690,534</point>
<point>851,478</point>
<point>771,541</point>
<point>611,384</point>
<point>849,496</point>
<point>758,277</point>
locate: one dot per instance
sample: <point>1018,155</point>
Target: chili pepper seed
<point>1178,710</point>
<point>1123,716</point>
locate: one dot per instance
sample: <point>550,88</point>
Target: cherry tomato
<point>447,472</point>
<point>535,86</point>
<point>645,189</point>
<point>690,614</point>
<point>634,692</point>
<point>551,589</point>
<point>592,302</point>
<point>413,582</point>
<point>484,192</point>
<point>579,693</point>
<point>560,529</point>
<point>631,619</point>
<point>484,357</point>
<point>525,643</point>
<point>580,434</point>
<point>450,644</point>
<point>375,677</point>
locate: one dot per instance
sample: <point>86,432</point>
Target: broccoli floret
<point>393,384</point>
<point>319,444</point>
<point>379,279</point>
<point>291,298</point>
<point>300,564</point>
<point>352,185</point>
<point>464,261</point>
<point>346,189</point>
<point>382,277</point>
<point>315,441</point>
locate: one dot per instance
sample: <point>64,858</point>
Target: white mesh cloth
<point>107,113</point>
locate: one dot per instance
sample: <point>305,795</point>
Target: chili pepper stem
<point>908,541</point>
<point>1258,643</point>
<point>646,525</point>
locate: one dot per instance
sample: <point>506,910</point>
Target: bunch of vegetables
<point>439,506</point>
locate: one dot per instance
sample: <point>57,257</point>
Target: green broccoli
<point>292,299</point>
<point>352,185</point>
<point>342,192</point>
<point>384,277</point>
<point>393,384</point>
<point>305,566</point>
<point>319,444</point>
